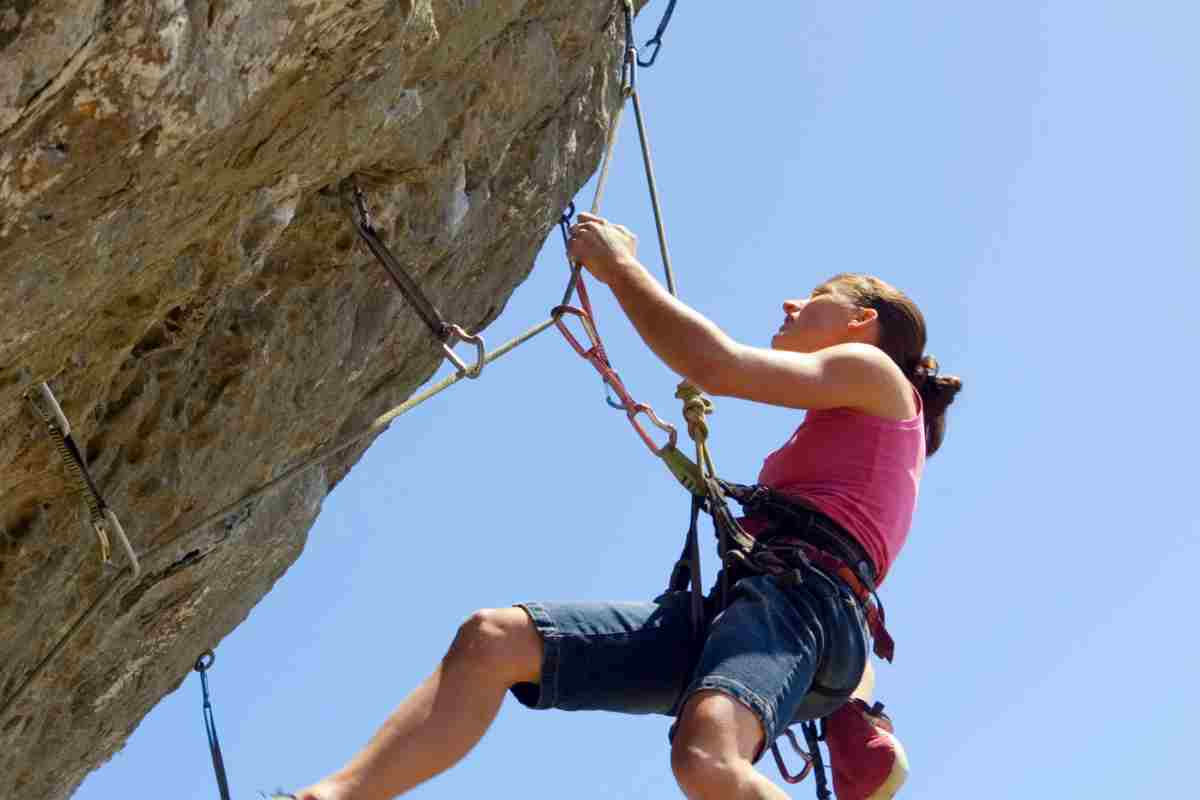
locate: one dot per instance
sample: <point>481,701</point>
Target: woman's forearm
<point>687,341</point>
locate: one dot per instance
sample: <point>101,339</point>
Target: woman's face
<point>826,317</point>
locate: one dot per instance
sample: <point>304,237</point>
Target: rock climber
<point>852,355</point>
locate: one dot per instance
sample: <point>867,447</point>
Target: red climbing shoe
<point>867,759</point>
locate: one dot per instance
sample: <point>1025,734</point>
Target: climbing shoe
<point>867,759</point>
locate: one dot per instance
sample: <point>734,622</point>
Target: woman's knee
<point>714,744</point>
<point>502,642</point>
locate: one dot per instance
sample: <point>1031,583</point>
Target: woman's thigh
<point>786,652</point>
<point>634,658</point>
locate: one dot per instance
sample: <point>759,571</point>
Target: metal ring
<point>201,664</point>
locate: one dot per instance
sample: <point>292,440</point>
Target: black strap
<point>404,282</point>
<point>210,724</point>
<point>818,762</point>
<point>687,569</point>
<point>789,518</point>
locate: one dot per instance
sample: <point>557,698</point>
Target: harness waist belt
<point>822,542</point>
<point>788,517</point>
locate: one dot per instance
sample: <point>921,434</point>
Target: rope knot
<point>695,407</point>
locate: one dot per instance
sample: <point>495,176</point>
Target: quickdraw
<point>203,664</point>
<point>104,520</point>
<point>444,332</point>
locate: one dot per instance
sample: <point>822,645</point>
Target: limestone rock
<point>172,264</point>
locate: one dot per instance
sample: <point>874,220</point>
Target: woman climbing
<point>852,355</point>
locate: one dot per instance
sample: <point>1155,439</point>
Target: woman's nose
<point>792,306</point>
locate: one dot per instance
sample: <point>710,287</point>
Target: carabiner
<point>115,525</point>
<point>475,369</point>
<point>657,39</point>
<point>649,62</point>
<point>585,319</point>
<point>642,408</point>
<point>783,770</point>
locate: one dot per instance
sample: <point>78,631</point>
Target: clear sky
<point>1028,172</point>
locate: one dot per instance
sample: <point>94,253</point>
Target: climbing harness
<point>104,519</point>
<point>203,664</point>
<point>443,331</point>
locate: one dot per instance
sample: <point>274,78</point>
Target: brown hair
<point>902,337</point>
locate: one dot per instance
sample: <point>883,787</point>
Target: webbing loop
<point>444,332</point>
<point>203,664</point>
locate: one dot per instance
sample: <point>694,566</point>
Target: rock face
<point>172,264</point>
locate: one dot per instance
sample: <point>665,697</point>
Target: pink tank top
<point>861,470</point>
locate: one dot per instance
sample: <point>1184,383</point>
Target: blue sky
<point>1028,172</point>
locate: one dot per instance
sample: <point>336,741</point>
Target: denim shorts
<point>788,651</point>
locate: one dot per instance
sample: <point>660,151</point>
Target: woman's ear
<point>864,317</point>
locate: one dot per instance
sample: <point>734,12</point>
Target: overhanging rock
<point>202,310</point>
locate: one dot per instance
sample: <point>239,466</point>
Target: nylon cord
<point>380,424</point>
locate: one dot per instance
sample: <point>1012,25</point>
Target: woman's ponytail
<point>937,393</point>
<point>902,337</point>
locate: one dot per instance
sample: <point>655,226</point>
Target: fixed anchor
<point>104,520</point>
<point>446,333</point>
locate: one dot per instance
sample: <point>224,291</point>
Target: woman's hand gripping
<point>607,250</point>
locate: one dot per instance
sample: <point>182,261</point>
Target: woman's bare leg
<point>713,751</point>
<point>866,686</point>
<point>443,718</point>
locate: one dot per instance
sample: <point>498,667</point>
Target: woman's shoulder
<point>890,394</point>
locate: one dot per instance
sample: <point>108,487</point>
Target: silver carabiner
<point>475,369</point>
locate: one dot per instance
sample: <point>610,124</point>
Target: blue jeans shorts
<point>788,652</point>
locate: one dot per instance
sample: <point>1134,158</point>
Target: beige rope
<point>380,424</point>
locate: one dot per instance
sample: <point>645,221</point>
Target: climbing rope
<point>380,424</point>
<point>595,353</point>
